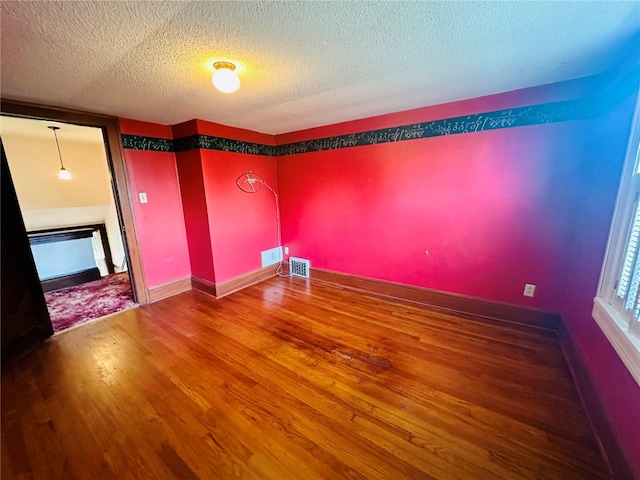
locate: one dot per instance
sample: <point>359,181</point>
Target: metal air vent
<point>298,267</point>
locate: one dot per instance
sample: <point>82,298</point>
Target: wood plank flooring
<point>290,379</point>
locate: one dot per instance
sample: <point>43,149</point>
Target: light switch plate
<point>143,197</point>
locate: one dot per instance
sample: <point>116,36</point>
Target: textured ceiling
<point>301,64</point>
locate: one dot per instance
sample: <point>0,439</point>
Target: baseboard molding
<point>245,280</point>
<point>223,289</point>
<point>467,306</point>
<point>610,448</point>
<point>169,289</point>
<point>72,280</point>
<point>204,286</point>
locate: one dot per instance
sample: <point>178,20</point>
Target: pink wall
<point>495,210</point>
<point>160,222</point>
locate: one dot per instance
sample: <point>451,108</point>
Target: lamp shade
<point>224,78</point>
<point>63,173</point>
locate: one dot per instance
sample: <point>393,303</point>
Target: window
<point>617,304</point>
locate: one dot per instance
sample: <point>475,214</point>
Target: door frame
<point>116,163</point>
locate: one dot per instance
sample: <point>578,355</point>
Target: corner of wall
<point>612,449</point>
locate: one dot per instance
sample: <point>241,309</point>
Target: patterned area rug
<point>72,306</point>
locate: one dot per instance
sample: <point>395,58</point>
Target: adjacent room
<point>365,240</point>
<point>70,218</point>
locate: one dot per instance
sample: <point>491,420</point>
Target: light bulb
<point>226,80</point>
<point>64,174</point>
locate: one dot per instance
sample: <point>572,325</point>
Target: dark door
<point>24,317</point>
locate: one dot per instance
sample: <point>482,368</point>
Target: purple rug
<point>72,306</point>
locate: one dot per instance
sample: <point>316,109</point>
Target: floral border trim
<point>480,122</point>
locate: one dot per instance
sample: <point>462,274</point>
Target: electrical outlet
<point>286,250</point>
<point>143,197</point>
<point>529,290</point>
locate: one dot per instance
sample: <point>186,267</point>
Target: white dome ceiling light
<point>225,78</point>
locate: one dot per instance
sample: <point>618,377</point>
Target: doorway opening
<point>74,226</point>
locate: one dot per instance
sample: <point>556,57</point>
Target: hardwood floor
<point>294,380</point>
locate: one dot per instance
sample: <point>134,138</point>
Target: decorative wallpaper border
<point>137,142</point>
<point>208,142</point>
<point>480,122</point>
<point>514,117</point>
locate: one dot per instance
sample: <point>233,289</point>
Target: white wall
<point>44,218</point>
<point>63,258</point>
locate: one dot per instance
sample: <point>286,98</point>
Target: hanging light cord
<point>57,145</point>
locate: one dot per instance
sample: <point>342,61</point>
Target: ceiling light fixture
<point>63,174</point>
<point>225,78</point>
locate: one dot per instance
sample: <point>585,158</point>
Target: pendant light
<point>63,174</point>
<point>225,78</point>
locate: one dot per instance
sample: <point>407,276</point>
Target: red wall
<point>196,218</point>
<point>494,209</point>
<point>160,222</point>
<point>243,224</point>
<point>226,226</point>
<point>489,207</point>
<point>595,185</point>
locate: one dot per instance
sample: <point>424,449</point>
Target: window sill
<point>625,343</point>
